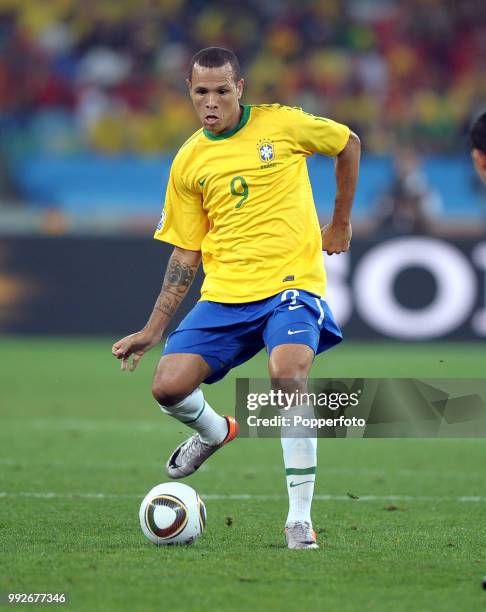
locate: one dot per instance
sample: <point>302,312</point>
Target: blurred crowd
<point>109,75</point>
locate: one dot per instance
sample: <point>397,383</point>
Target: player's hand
<point>135,345</point>
<point>336,237</point>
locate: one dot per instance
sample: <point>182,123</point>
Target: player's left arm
<point>336,236</point>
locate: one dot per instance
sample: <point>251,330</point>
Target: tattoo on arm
<point>179,275</point>
<point>178,279</point>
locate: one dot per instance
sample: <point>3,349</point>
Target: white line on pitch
<point>251,496</point>
<point>118,465</point>
<point>85,425</point>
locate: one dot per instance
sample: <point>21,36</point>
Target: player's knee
<point>289,379</point>
<point>289,374</point>
<point>290,384</point>
<point>285,369</point>
<point>288,371</point>
<point>168,392</point>
<point>177,376</point>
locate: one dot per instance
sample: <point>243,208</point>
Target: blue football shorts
<point>227,335</point>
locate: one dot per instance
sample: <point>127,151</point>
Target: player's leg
<point>176,389</point>
<point>289,367</point>
<point>204,347</point>
<point>177,375</point>
<point>299,318</point>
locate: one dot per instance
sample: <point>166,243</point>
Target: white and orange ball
<point>172,513</point>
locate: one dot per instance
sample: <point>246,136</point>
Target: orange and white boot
<point>193,452</point>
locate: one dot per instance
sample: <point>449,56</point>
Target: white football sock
<point>195,412</point>
<point>300,458</point>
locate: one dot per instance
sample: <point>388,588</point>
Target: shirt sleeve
<point>183,222</point>
<point>315,134</point>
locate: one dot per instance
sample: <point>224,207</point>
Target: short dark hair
<point>215,57</point>
<point>477,134</point>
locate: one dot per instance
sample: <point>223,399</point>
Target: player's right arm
<point>183,224</point>
<point>180,272</point>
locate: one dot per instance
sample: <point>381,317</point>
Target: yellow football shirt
<point>243,198</point>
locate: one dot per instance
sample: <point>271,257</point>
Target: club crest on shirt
<point>266,151</point>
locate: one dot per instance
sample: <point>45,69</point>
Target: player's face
<point>479,159</point>
<point>216,96</point>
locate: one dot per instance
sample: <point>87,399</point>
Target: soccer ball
<point>172,513</point>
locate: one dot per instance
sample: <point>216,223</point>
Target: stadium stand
<point>94,87</point>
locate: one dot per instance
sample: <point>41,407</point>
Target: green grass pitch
<point>81,443</point>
